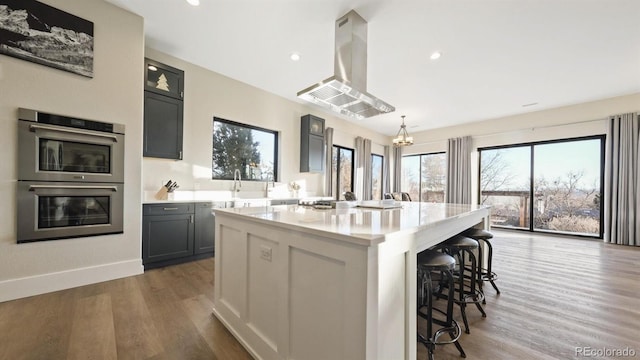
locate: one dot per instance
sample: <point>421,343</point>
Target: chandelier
<point>403,138</point>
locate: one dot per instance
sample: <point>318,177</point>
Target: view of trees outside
<point>566,188</point>
<point>424,176</point>
<point>376,176</point>
<point>505,184</point>
<point>249,150</point>
<point>342,164</point>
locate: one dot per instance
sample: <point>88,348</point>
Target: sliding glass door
<point>424,176</point>
<point>553,186</point>
<point>505,184</point>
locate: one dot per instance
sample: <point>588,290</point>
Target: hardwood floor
<point>163,314</point>
<point>557,294</point>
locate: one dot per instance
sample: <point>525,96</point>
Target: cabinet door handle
<point>191,218</point>
<point>169,209</point>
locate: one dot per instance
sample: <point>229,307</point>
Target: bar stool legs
<point>435,262</point>
<point>462,248</point>
<point>484,274</point>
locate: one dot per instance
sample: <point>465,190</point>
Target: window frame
<point>420,155</point>
<point>531,145</point>
<point>337,191</point>
<point>276,136</point>
<point>381,175</point>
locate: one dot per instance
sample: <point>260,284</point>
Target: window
<point>342,164</point>
<point>552,186</point>
<point>250,149</point>
<point>424,176</point>
<point>376,176</point>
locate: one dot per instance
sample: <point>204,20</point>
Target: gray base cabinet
<point>173,233</point>
<point>205,229</point>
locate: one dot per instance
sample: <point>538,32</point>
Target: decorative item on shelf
<point>403,138</point>
<point>294,187</point>
<point>166,191</point>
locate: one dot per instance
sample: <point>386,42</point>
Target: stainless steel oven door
<point>48,211</point>
<point>59,153</point>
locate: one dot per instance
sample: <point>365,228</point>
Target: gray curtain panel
<point>386,170</point>
<point>397,168</point>
<point>328,153</point>
<point>358,176</point>
<point>459,171</point>
<point>366,169</point>
<point>622,185</point>
<point>362,176</point>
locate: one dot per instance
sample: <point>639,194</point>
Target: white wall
<point>565,122</point>
<point>114,94</point>
<point>209,94</point>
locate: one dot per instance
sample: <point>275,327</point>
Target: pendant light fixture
<point>403,138</point>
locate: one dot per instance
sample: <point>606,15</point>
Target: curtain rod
<point>516,130</point>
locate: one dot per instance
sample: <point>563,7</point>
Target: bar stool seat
<point>429,262</point>
<point>462,248</point>
<point>484,274</point>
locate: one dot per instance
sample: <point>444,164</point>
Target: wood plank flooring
<point>558,294</point>
<point>163,314</point>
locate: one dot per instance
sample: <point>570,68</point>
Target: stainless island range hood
<point>345,92</point>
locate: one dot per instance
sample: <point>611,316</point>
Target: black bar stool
<point>484,274</point>
<point>462,248</point>
<point>432,262</point>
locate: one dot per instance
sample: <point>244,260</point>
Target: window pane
<point>567,187</point>
<point>376,177</point>
<point>334,171</point>
<point>434,178</point>
<point>342,165</point>
<point>248,149</point>
<point>411,176</point>
<point>346,171</point>
<point>505,184</point>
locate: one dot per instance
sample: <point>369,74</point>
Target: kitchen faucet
<point>237,181</point>
<point>273,184</point>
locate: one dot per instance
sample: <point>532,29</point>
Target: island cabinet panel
<point>274,284</point>
<point>301,283</point>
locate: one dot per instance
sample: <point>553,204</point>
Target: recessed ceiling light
<point>530,104</point>
<point>436,55</point>
<point>194,2</point>
<point>152,68</point>
<point>295,56</point>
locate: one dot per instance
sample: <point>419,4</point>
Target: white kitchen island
<point>294,282</point>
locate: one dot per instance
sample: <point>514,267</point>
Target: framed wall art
<point>33,31</point>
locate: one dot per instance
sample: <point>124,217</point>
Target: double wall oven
<point>70,177</point>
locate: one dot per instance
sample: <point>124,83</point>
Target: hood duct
<point>345,92</point>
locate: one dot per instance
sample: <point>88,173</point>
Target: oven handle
<point>34,127</point>
<point>76,187</point>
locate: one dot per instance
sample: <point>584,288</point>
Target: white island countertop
<point>364,226</point>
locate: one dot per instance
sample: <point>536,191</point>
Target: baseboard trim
<point>40,284</point>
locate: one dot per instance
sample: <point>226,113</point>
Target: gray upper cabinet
<point>163,111</point>
<point>163,79</point>
<point>311,144</point>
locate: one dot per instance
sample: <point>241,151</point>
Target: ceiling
<point>497,55</point>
